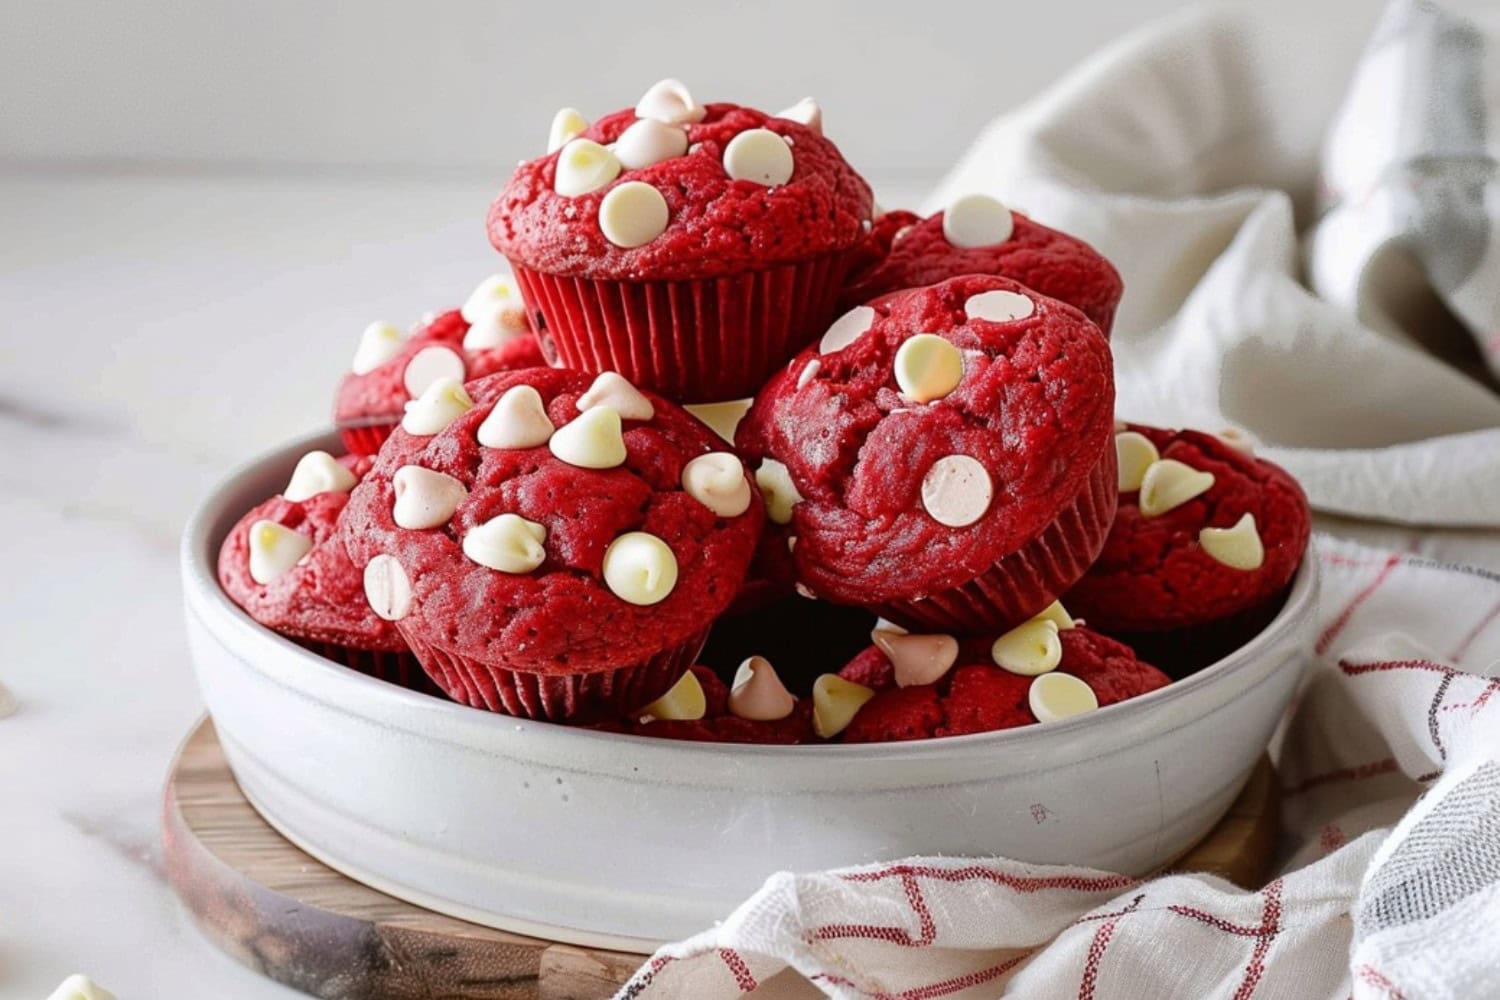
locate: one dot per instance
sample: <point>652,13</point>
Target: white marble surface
<point>158,330</point>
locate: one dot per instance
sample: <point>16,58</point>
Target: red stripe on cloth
<point>980,873</point>
<point>1357,773</point>
<point>1352,669</point>
<point>737,968</point>
<point>1097,948</point>
<point>1374,977</point>
<point>1338,624</point>
<point>957,984</point>
<point>890,934</point>
<point>1217,923</point>
<point>1270,922</point>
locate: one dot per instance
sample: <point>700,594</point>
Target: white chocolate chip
<point>1136,454</point>
<point>1238,547</point>
<point>387,588</point>
<point>378,344</point>
<point>957,491</point>
<point>1058,615</point>
<point>649,141</point>
<point>917,659</point>
<point>1058,696</point>
<point>1029,649</point>
<point>928,367</point>
<point>640,568</point>
<point>495,312</point>
<point>759,155</point>
<point>1238,438</point>
<point>803,590</point>
<point>430,364</point>
<point>977,220</point>
<point>847,329</point>
<point>684,702</point>
<point>633,214</point>
<point>496,329</point>
<point>497,293</point>
<point>583,166</point>
<point>274,549</point>
<point>777,488</point>
<point>721,418</point>
<point>508,543</point>
<point>444,402</point>
<point>592,440</point>
<point>717,481</point>
<point>758,693</point>
<point>804,112</point>
<point>1169,484</point>
<point>999,306</point>
<point>835,704</point>
<point>318,472</point>
<point>612,390</point>
<point>519,420</point>
<point>669,101</point>
<point>882,625</point>
<point>808,373</point>
<point>424,498</point>
<point>567,125</point>
<point>80,987</point>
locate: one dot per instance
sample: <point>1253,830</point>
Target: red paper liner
<point>1030,578</point>
<point>401,669</point>
<point>367,439</point>
<point>574,698</point>
<point>693,341</point>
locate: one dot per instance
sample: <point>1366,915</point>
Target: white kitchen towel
<point>1308,241</point>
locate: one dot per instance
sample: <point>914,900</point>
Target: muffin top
<point>552,522</point>
<point>284,564</point>
<point>929,434</point>
<point>978,692</point>
<point>979,235</point>
<point>490,334</point>
<point>1204,530</point>
<point>674,190</point>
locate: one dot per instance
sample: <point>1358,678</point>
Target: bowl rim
<point>207,601</point>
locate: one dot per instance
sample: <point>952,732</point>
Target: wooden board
<point>301,923</point>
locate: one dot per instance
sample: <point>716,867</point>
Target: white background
<point>470,86</point>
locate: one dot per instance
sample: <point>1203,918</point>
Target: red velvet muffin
<point>977,689</point>
<point>717,722</point>
<point>551,544</point>
<point>284,564</point>
<point>691,248</point>
<point>1205,543</point>
<point>876,245</point>
<point>942,456</point>
<point>490,334</point>
<point>978,235</point>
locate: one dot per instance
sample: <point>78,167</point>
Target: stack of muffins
<point>733,455</point>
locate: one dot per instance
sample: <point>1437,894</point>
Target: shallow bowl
<point>621,841</point>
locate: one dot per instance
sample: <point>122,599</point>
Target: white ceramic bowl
<point>620,841</point>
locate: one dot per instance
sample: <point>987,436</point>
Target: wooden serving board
<point>301,923</point>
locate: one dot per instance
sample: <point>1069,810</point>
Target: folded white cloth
<point>1309,245</point>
